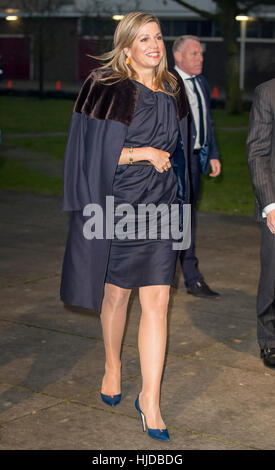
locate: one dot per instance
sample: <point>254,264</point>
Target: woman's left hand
<point>160,159</point>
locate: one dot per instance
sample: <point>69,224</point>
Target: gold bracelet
<point>131,158</point>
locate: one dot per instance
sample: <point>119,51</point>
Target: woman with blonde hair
<point>125,126</point>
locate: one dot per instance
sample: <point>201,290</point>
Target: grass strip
<point>16,176</point>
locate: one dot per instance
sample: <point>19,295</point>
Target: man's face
<point>189,58</point>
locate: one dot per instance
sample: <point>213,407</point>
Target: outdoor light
<point>11,18</point>
<point>242,18</point>
<point>117,17</point>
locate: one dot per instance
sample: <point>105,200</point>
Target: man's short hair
<point>178,43</point>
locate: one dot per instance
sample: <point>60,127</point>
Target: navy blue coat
<point>213,151</point>
<point>100,119</point>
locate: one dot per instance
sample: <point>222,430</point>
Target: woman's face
<point>147,48</point>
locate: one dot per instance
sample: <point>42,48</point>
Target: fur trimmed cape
<point>100,119</point>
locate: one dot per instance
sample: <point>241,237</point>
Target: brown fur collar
<point>117,101</point>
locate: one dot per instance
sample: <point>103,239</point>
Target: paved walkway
<point>216,393</point>
<point>73,88</point>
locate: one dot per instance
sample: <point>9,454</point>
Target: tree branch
<point>199,11</point>
<point>255,3</point>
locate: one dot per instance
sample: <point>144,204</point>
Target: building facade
<point>60,40</point>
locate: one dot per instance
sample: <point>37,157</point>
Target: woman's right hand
<point>159,158</point>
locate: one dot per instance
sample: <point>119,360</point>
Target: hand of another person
<point>160,159</point>
<point>271,221</point>
<point>215,167</point>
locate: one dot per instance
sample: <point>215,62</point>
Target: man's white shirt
<point>268,209</point>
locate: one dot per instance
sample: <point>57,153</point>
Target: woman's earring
<point>128,60</point>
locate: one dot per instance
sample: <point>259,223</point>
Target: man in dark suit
<point>261,163</point>
<point>188,56</point>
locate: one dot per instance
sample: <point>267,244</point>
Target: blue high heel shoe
<point>111,400</point>
<point>160,434</point>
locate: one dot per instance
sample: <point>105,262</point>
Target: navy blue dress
<point>133,261</point>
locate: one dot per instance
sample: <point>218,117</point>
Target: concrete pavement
<point>216,393</point>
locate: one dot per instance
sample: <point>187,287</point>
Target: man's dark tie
<point>201,129</point>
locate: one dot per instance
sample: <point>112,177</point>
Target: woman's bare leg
<point>152,345</point>
<point>113,319</point>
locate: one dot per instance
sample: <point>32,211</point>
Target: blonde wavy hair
<point>125,33</point>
